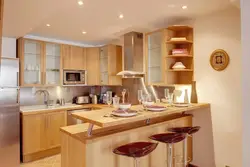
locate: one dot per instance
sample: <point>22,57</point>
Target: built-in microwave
<point>74,77</point>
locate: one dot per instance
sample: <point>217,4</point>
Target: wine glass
<point>140,96</point>
<point>109,98</point>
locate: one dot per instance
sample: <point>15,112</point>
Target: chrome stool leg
<point>136,162</point>
<point>185,158</point>
<point>170,155</point>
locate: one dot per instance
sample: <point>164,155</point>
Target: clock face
<point>219,60</point>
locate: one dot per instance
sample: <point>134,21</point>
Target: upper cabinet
<point>110,64</point>
<point>40,63</point>
<point>52,63</point>
<point>155,53</point>
<point>169,55</point>
<point>31,57</point>
<point>92,66</point>
<point>74,57</point>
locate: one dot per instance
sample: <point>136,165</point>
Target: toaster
<point>82,100</point>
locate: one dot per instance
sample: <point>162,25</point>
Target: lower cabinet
<point>41,134</point>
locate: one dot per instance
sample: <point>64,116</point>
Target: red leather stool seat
<point>136,150</point>
<point>188,130</point>
<point>169,138</point>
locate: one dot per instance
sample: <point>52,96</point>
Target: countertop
<point>36,109</point>
<point>96,117</point>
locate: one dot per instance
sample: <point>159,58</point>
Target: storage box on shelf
<point>163,49</point>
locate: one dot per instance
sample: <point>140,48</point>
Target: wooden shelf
<point>180,70</point>
<point>180,42</point>
<point>179,55</point>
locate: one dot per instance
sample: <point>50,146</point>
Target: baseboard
<point>41,154</point>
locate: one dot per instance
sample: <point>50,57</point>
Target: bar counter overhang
<point>91,144</point>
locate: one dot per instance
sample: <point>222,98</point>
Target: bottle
<point>194,98</point>
<point>94,99</point>
<point>186,100</point>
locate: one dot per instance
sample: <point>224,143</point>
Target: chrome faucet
<point>45,97</point>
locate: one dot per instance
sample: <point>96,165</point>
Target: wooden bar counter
<point>81,149</point>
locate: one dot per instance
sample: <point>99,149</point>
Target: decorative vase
<point>194,98</point>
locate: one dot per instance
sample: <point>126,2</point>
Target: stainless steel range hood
<point>133,55</point>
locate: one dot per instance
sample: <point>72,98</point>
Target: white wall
<point>221,30</point>
<point>9,47</point>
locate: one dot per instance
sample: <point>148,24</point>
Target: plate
<point>181,104</point>
<point>155,108</point>
<point>124,113</point>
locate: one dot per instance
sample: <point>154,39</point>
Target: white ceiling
<point>99,18</point>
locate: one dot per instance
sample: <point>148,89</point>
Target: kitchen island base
<point>80,150</point>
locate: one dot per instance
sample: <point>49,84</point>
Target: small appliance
<point>81,100</point>
<point>74,77</point>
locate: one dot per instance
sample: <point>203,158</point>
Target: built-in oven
<point>74,77</point>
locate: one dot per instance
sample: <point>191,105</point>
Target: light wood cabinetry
<point>160,57</point>
<point>40,63</point>
<point>74,57</point>
<point>110,64</point>
<point>92,66</point>
<point>41,134</point>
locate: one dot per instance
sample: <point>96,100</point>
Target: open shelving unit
<point>160,58</point>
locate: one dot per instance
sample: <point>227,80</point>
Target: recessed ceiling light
<point>84,32</point>
<point>184,7</point>
<point>80,3</point>
<point>48,25</point>
<point>121,16</point>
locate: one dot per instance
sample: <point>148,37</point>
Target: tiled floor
<point>54,161</point>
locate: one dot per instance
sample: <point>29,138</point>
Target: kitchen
<point>48,65</point>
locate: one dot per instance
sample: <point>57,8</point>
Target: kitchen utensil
<point>124,106</point>
<point>123,95</point>
<point>155,108</point>
<point>122,113</point>
<point>181,104</point>
<point>178,65</point>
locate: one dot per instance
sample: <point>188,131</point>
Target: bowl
<point>148,103</point>
<point>124,106</point>
<point>178,65</point>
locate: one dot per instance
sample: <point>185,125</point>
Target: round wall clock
<point>219,60</point>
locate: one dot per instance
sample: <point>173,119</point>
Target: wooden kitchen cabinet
<point>41,134</point>
<point>74,57</point>
<point>92,66</point>
<point>110,64</point>
<point>40,63</point>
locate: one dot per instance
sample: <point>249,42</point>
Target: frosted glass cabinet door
<point>32,62</point>
<point>53,62</point>
<point>155,57</point>
<point>104,65</point>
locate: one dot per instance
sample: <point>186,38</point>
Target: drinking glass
<point>109,97</point>
<point>116,101</point>
<point>140,96</point>
<point>169,96</point>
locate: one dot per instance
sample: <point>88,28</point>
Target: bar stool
<point>189,131</point>
<point>136,150</point>
<point>169,139</point>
